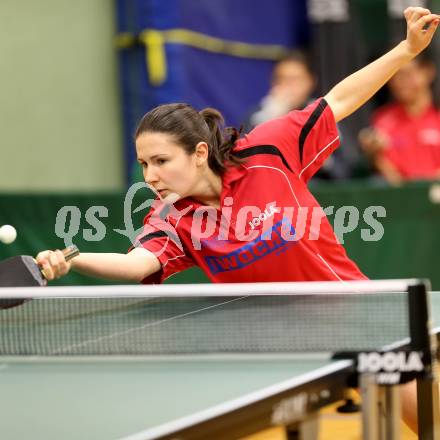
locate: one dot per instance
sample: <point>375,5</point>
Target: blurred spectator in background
<point>292,86</point>
<point>403,142</point>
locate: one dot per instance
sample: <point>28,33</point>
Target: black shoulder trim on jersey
<point>262,149</point>
<point>155,234</point>
<point>309,125</point>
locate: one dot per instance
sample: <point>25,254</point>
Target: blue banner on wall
<point>204,52</point>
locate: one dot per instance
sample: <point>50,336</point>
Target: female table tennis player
<point>241,208</point>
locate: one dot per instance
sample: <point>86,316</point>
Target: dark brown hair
<point>189,127</point>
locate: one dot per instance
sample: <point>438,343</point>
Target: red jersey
<point>269,226</point>
<point>414,141</point>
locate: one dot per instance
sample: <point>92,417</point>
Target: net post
<point>422,341</point>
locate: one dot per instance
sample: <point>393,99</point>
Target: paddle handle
<point>70,252</point>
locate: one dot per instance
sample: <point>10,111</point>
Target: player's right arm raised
<point>134,266</point>
<point>347,96</point>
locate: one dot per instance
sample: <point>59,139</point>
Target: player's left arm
<point>347,96</point>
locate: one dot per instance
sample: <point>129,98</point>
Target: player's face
<point>410,82</point>
<point>166,165</point>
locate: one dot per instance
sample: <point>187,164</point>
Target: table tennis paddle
<point>24,271</point>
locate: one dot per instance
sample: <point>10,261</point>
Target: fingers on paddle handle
<point>70,252</point>
<point>51,265</point>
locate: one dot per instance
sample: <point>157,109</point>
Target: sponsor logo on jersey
<point>267,213</point>
<point>277,238</point>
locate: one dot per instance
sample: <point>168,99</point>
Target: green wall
<point>408,248</point>
<point>59,110</point>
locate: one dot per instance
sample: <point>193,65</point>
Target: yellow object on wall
<point>155,41</point>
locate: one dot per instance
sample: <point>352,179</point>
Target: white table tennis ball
<point>8,234</point>
<point>434,193</point>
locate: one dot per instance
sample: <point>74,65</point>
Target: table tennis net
<point>202,325</point>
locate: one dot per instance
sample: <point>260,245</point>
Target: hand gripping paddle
<point>24,271</point>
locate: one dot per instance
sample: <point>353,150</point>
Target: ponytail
<point>222,140</point>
